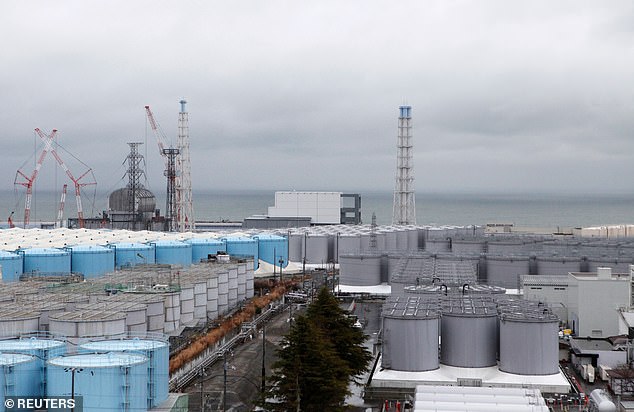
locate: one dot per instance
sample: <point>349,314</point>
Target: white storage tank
<point>250,290</point>
<point>360,270</point>
<point>111,381</point>
<point>410,335</point>
<point>87,323</point>
<point>187,303</point>
<point>172,311</point>
<point>136,313</point>
<point>15,320</point>
<point>157,353</point>
<point>242,282</point>
<point>232,299</point>
<point>469,333</point>
<point>213,295</point>
<point>155,307</point>
<point>223,293</point>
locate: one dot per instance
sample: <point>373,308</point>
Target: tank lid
<point>124,344</point>
<point>102,360</point>
<point>171,243</point>
<point>90,248</point>
<point>8,359</point>
<point>30,343</point>
<point>45,252</point>
<point>88,316</point>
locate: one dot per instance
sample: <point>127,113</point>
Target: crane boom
<point>28,181</point>
<point>161,139</point>
<point>62,202</point>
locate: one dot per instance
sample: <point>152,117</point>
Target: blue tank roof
<point>10,359</point>
<point>171,243</point>
<point>132,246</point>
<point>29,344</point>
<point>239,239</point>
<point>44,252</point>
<point>89,249</point>
<point>204,241</point>
<point>124,345</point>
<point>102,360</point>
<point>4,255</point>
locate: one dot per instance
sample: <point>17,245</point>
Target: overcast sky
<point>506,95</point>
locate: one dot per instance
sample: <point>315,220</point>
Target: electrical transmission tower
<point>185,206</point>
<point>404,200</point>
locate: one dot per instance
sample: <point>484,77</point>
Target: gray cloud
<point>507,96</point>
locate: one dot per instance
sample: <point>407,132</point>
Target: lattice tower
<point>404,199</point>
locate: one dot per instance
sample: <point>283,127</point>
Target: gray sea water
<point>530,209</point>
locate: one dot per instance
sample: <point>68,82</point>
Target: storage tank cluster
<point>94,253</point>
<point>142,299</point>
<point>429,269</point>
<point>118,374</point>
<point>474,331</point>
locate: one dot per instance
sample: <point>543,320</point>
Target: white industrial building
<point>593,301</point>
<point>324,208</point>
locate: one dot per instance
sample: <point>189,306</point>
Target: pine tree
<point>308,373</point>
<point>347,339</point>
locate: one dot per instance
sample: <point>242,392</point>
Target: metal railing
<point>188,372</point>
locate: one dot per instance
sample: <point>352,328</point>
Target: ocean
<point>526,210</point>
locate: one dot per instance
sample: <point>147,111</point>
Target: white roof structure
<point>467,399</point>
<point>450,375</point>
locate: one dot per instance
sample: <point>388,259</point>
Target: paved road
<point>244,372</point>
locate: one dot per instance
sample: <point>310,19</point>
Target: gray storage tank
<point>557,265</point>
<point>360,270</point>
<point>469,333</point>
<point>505,271</point>
<point>410,335</point>
<point>529,343</point>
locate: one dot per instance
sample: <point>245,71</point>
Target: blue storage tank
<point>242,246</point>
<point>93,261</point>
<point>202,248</point>
<point>21,376</point>
<point>172,252</point>
<point>43,349</point>
<point>158,367</point>
<point>46,260</point>
<point>270,244</point>
<point>11,264</point>
<point>132,254</point>
<point>107,382</point>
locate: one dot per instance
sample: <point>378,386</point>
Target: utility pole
<point>263,387</point>
<point>224,390</point>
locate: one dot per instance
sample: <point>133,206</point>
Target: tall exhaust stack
<point>185,206</point>
<point>404,199</point>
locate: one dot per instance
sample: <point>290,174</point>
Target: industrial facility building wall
<point>594,303</point>
<point>321,207</point>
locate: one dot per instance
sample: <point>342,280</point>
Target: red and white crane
<point>62,202</point>
<point>169,156</point>
<point>29,180</point>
